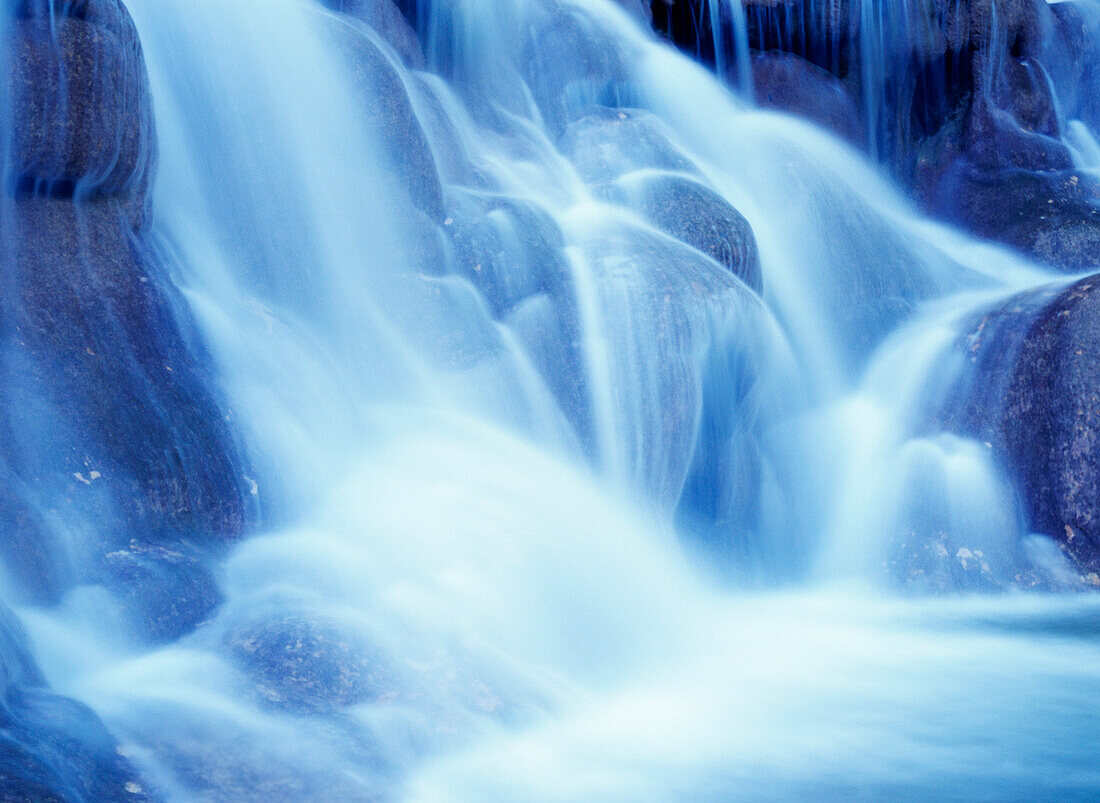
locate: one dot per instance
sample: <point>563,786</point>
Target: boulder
<point>608,143</point>
<point>386,20</point>
<point>695,215</point>
<point>507,248</point>
<point>1051,216</point>
<point>569,66</point>
<point>1030,387</point>
<point>106,382</point>
<point>305,663</point>
<point>789,83</point>
<point>386,105</point>
<point>83,122</point>
<point>168,590</point>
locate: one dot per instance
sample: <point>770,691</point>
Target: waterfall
<point>589,422</point>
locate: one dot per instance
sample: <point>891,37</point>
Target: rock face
<point>111,423</point>
<point>1031,388</point>
<point>83,123</point>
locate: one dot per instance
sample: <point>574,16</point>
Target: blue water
<point>602,520</point>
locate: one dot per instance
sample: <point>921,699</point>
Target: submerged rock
<point>308,664</point>
<point>53,748</point>
<point>386,105</point>
<point>1031,388</point>
<point>386,20</point>
<point>99,344</point>
<point>695,215</point>
<point>608,143</point>
<point>113,436</point>
<point>569,65</point>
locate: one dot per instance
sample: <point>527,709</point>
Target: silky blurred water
<point>609,523</point>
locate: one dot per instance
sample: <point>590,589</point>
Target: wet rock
<point>308,664</point>
<point>169,591</point>
<point>687,329</point>
<point>386,20</point>
<point>83,117</point>
<point>789,83</point>
<point>106,379</point>
<point>508,249</point>
<point>607,143</point>
<point>695,215</point>
<point>1031,388</point>
<point>385,102</point>
<point>53,748</point>
<point>570,66</point>
<point>1051,216</point>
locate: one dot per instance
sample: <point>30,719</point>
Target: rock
<point>308,664</point>
<point>112,437</point>
<point>169,591</point>
<point>569,66</point>
<point>386,20</point>
<point>687,328</point>
<point>1031,388</point>
<point>514,254</point>
<point>507,248</point>
<point>1050,216</point>
<point>53,748</point>
<point>695,215</point>
<point>789,83</point>
<point>106,383</point>
<point>83,115</point>
<point>608,143</point>
<point>1013,118</point>
<point>385,103</point>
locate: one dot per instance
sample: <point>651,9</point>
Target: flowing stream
<point>607,521</point>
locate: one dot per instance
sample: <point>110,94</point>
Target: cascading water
<point>565,492</point>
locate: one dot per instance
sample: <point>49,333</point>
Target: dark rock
<point>385,103</point>
<point>1013,119</point>
<point>307,664</point>
<point>695,215</point>
<point>1031,388</point>
<point>169,590</point>
<point>53,748</point>
<point>100,340</point>
<point>789,83</point>
<point>386,20</point>
<point>608,143</point>
<point>1051,216</point>
<point>83,118</point>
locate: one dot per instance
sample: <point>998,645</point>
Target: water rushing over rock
<point>484,400</point>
